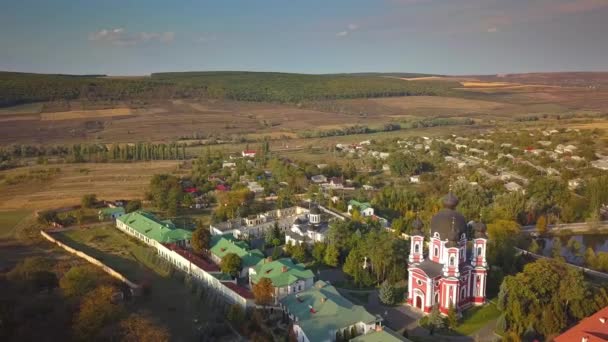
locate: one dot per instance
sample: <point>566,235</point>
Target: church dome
<point>417,226</point>
<point>315,210</point>
<point>480,229</point>
<point>449,223</point>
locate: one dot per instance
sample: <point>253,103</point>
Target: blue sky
<point>126,37</point>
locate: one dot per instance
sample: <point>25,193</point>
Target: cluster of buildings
<point>318,312</point>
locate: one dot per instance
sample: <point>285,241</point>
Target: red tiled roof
<point>243,292</point>
<point>195,259</point>
<point>591,327</point>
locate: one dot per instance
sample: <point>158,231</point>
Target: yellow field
<point>414,102</point>
<point>108,181</point>
<point>85,114</point>
<point>487,84</point>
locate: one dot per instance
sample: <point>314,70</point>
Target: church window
<point>452,260</point>
<point>479,251</point>
<point>418,282</point>
<point>463,293</point>
<point>436,251</point>
<point>416,248</point>
<point>436,297</point>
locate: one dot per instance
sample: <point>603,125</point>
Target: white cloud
<point>492,29</point>
<point>350,28</point>
<point>121,37</point>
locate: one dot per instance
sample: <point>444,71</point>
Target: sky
<point>455,37</point>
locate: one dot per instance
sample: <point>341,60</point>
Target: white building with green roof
<point>286,276</point>
<point>151,230</point>
<point>319,312</point>
<point>221,245</point>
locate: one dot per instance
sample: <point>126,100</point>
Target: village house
<point>318,179</point>
<point>364,208</point>
<point>255,187</point>
<point>320,311</point>
<point>248,153</point>
<point>286,277</point>
<point>415,179</point>
<point>110,213</point>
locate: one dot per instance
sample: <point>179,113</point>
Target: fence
<point>92,260</point>
<point>585,270</point>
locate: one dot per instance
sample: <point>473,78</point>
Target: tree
<point>79,280</point>
<point>503,229</point>
<point>79,215</point>
<point>452,317</point>
<point>138,327</point>
<point>88,200</point>
<point>33,274</point>
<point>387,293</point>
<point>97,310</point>
<point>201,240</point>
<point>298,252</point>
<point>547,296</point>
<point>231,264</point>
<point>436,321</point>
<point>263,291</point>
<point>331,256</point>
<point>132,206</point>
<point>541,225</point>
<point>534,247</point>
<point>556,249</point>
<point>318,251</point>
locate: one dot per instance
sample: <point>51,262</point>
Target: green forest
<point>19,88</point>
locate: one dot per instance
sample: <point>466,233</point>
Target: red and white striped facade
<point>447,274</point>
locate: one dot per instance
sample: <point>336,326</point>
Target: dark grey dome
<point>417,226</point>
<point>298,221</point>
<point>449,223</point>
<point>450,201</point>
<point>315,210</point>
<point>480,229</point>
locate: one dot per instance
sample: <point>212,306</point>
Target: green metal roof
<point>225,244</point>
<point>321,310</point>
<point>385,335</point>
<point>360,205</point>
<point>110,211</point>
<point>282,272</point>
<point>150,226</point>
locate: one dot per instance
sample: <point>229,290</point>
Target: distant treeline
<point>97,152</point>
<point>359,129</point>
<point>18,88</point>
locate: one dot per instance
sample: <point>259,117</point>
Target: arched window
<point>436,251</point>
<point>452,260</point>
<point>416,248</point>
<point>463,293</point>
<point>479,251</point>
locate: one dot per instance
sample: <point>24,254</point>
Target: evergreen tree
<point>387,293</point>
<point>331,256</point>
<point>452,317</point>
<point>436,321</point>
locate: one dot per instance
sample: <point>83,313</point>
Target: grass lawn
<point>476,317</point>
<point>9,220</point>
<point>169,300</point>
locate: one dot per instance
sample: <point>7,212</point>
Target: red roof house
<point>248,153</point>
<point>591,329</point>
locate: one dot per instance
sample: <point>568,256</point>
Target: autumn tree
<point>541,225</point>
<point>97,310</point>
<point>88,200</point>
<point>79,280</point>
<point>452,318</point>
<point>263,291</point>
<point>201,240</point>
<point>138,327</point>
<point>231,264</point>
